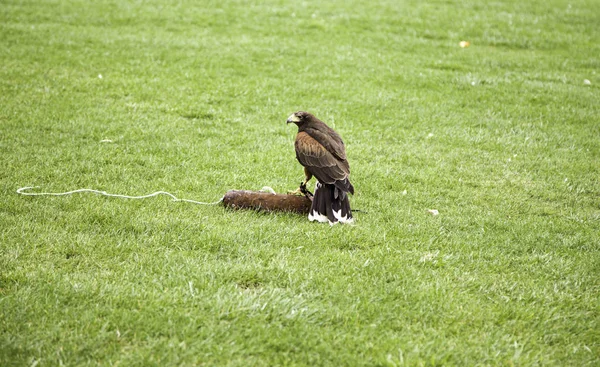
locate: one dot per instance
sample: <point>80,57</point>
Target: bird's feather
<point>318,160</point>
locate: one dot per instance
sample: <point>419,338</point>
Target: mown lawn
<point>502,138</point>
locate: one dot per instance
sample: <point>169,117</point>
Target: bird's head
<point>299,117</point>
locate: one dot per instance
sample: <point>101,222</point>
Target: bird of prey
<point>322,153</point>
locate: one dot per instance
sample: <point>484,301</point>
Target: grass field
<point>502,138</point>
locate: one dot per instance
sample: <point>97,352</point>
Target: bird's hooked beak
<point>293,118</point>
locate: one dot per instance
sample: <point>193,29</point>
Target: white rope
<point>175,198</point>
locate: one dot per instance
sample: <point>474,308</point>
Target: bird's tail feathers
<point>344,187</point>
<point>330,204</point>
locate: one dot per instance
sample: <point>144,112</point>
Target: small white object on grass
<point>429,256</point>
<point>268,189</point>
<point>587,82</point>
<point>106,141</point>
<point>99,76</point>
<point>433,212</point>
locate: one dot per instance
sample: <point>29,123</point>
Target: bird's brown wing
<point>329,139</point>
<point>319,161</point>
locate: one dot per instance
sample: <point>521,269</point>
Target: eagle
<point>322,153</point>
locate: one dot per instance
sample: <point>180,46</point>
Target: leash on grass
<point>22,190</point>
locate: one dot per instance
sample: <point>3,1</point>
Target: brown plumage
<point>322,153</point>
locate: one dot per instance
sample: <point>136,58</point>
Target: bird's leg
<point>302,189</point>
<point>305,191</point>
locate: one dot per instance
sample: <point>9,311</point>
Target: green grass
<point>503,138</point>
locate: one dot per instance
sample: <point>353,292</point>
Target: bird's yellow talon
<point>298,191</point>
